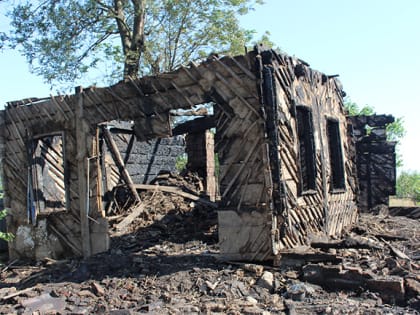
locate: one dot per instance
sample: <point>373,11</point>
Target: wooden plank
<point>139,209</point>
<point>244,236</point>
<point>18,132</point>
<point>190,75</point>
<point>120,163</point>
<point>210,180</point>
<point>17,293</point>
<point>57,105</point>
<point>234,75</point>
<point>99,187</point>
<point>65,239</point>
<point>243,164</point>
<point>101,106</point>
<point>82,136</point>
<point>301,256</point>
<point>90,97</point>
<point>243,68</point>
<point>176,190</point>
<point>228,85</point>
<point>323,166</point>
<point>67,105</point>
<point>182,93</point>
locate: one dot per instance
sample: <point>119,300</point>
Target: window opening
<point>306,149</point>
<point>47,178</point>
<point>336,154</point>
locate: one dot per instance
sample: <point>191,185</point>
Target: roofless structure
<point>285,146</point>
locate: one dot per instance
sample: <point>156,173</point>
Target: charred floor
<point>168,262</point>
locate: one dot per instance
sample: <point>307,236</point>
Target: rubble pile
<point>167,262</point>
<point>168,216</point>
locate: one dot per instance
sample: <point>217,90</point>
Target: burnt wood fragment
<point>197,125</point>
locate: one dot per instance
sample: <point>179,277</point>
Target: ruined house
<point>285,148</point>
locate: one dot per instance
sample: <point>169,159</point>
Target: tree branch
<point>178,35</point>
<point>95,44</point>
<point>105,6</point>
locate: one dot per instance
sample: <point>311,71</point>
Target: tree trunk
<point>133,55</point>
<point>132,37</point>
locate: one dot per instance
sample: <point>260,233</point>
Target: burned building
<point>287,171</point>
<point>375,159</point>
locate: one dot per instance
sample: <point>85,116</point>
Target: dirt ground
<point>168,262</point>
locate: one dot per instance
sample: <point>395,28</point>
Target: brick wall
<point>147,159</point>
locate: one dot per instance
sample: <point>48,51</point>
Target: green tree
<point>395,131</point>
<point>408,185</point>
<point>266,41</point>
<point>63,39</point>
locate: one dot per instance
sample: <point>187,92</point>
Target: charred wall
<point>285,168</point>
<point>306,159</point>
<point>81,228</point>
<point>309,107</point>
<point>145,159</point>
<point>376,160</point>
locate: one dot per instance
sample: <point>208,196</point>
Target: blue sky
<point>373,45</point>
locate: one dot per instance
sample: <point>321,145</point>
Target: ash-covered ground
<point>167,262</point>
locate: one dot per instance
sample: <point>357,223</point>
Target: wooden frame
<point>262,210</point>
<point>52,164</point>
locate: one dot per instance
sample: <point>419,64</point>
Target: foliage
<point>395,131</point>
<point>5,236</point>
<point>355,110</point>
<point>216,165</point>
<point>3,214</point>
<point>3,38</point>
<point>63,39</point>
<point>181,162</point>
<point>266,41</point>
<point>187,30</point>
<point>408,185</point>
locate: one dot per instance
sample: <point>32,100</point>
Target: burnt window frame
<point>33,202</point>
<point>336,156</point>
<point>306,140</point>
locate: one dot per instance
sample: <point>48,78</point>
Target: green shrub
<point>181,162</point>
<point>408,185</point>
<point>5,236</point>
